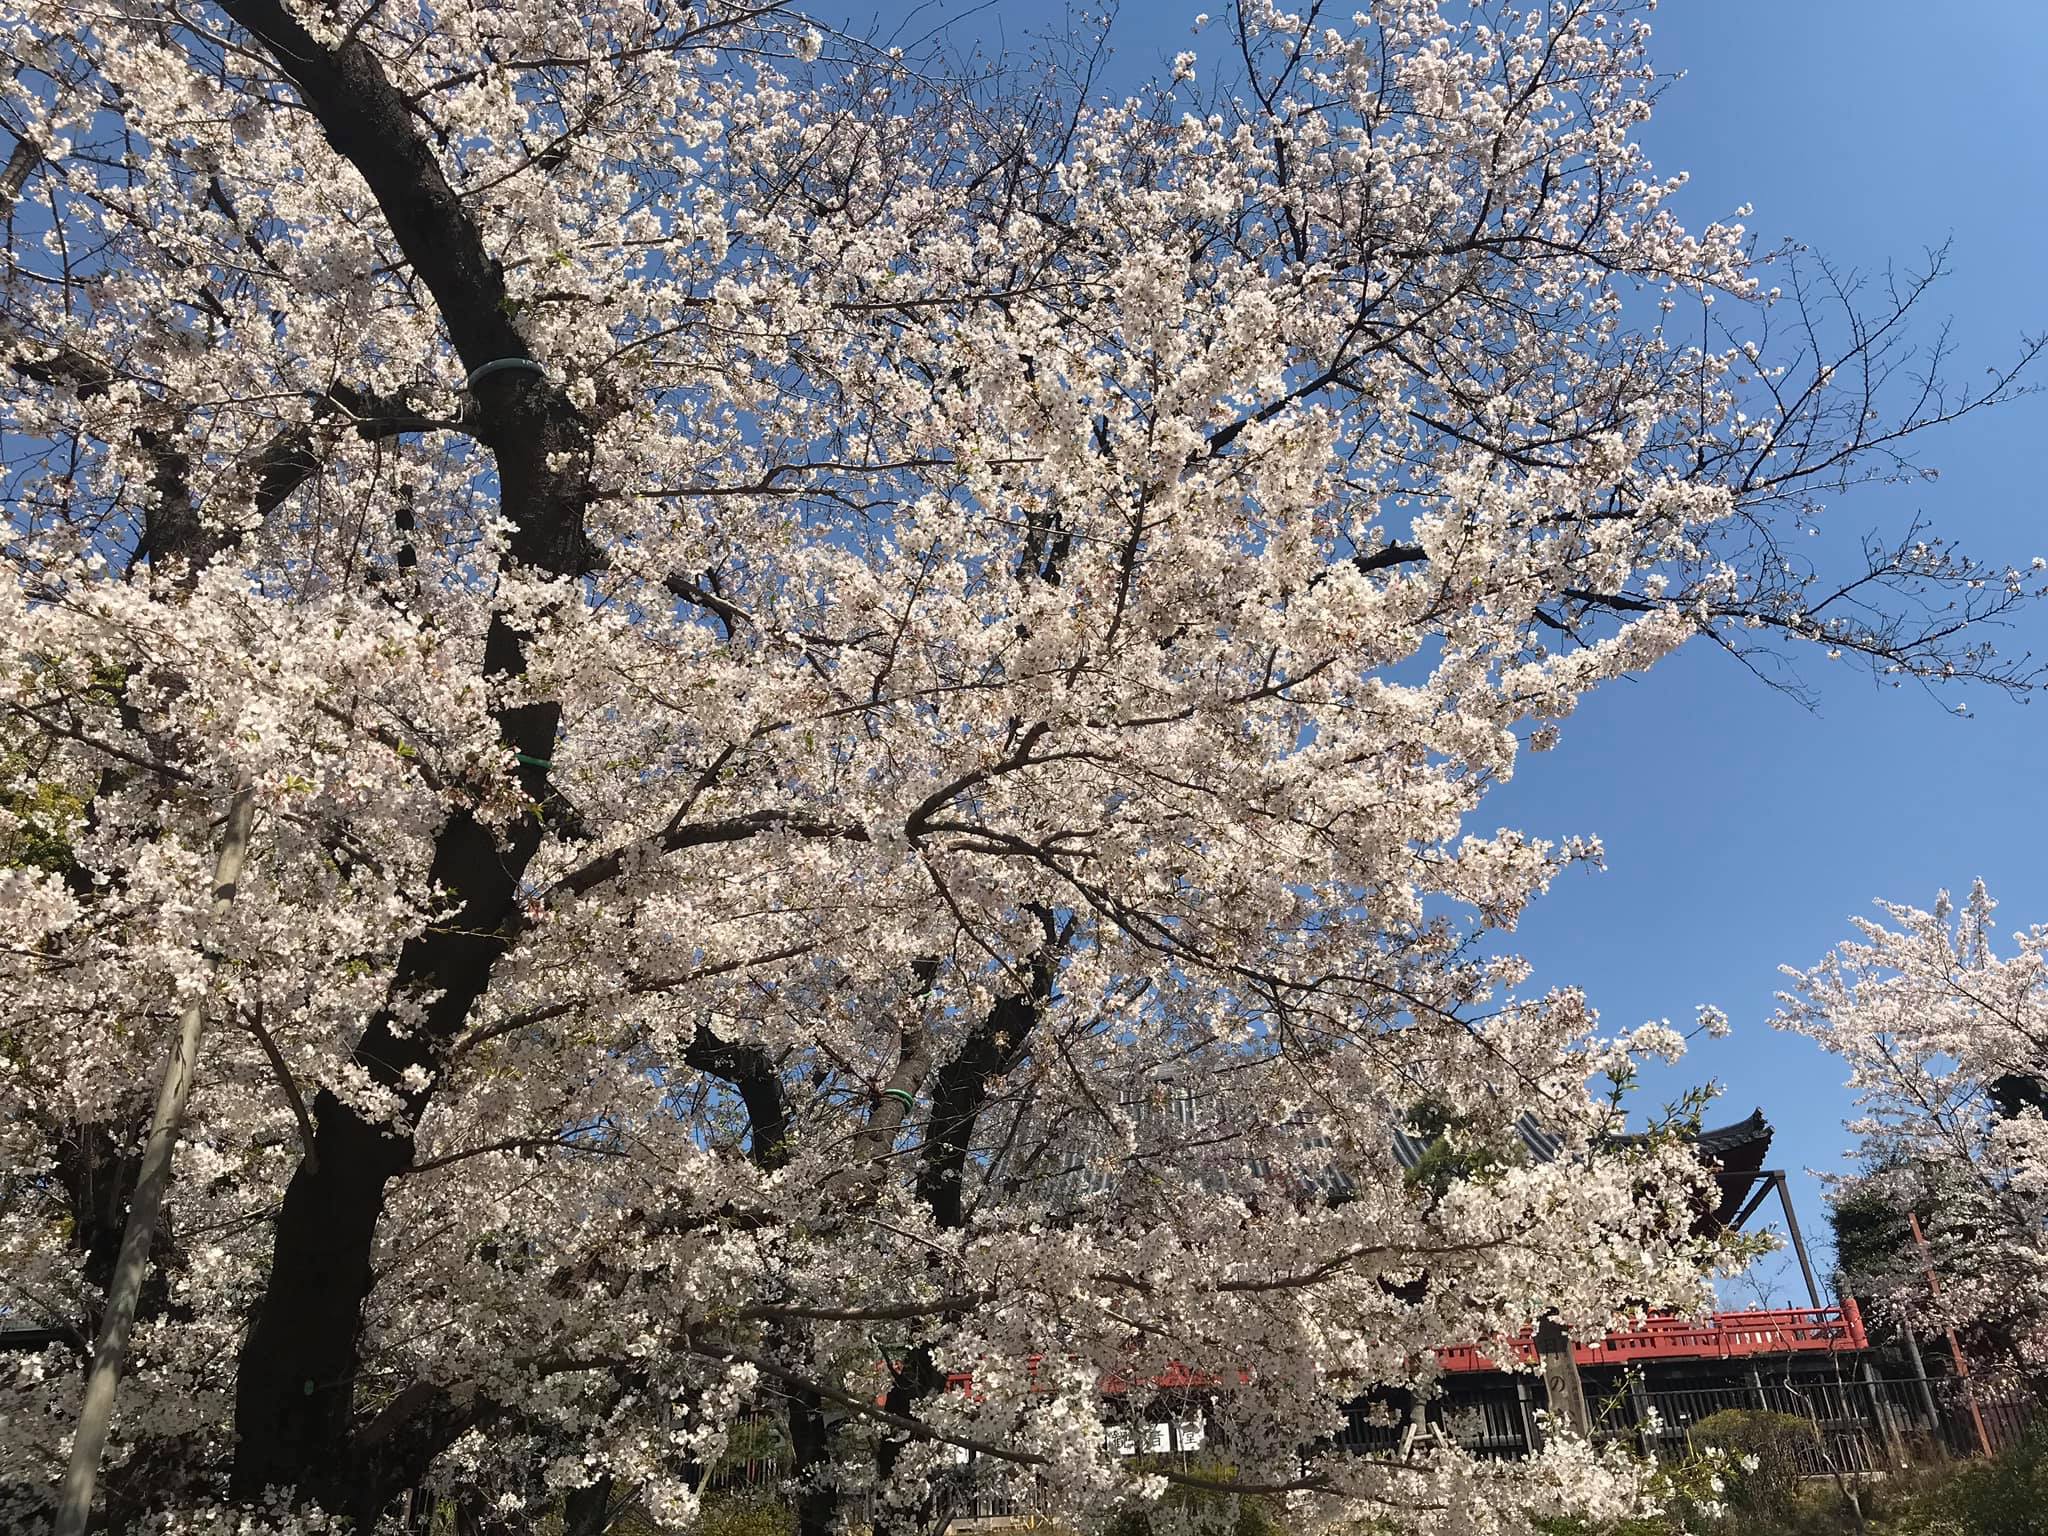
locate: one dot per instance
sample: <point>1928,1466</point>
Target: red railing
<point>1723,1336</point>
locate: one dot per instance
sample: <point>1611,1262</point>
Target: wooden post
<point>1894,1441</point>
<point>1562,1389</point>
<point>1532,1432</point>
<point>1955,1347</point>
<point>1639,1399</point>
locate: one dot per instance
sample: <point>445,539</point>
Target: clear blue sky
<point>1741,829</point>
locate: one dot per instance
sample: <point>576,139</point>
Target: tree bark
<point>960,1092</point>
<point>295,1389</point>
<point>750,1072</point>
<point>588,1510</point>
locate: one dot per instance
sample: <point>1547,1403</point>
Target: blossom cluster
<point>1946,1041</point>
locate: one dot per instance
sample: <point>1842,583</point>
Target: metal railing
<point>1858,1424</point>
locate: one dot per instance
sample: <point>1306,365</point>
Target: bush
<point>1187,1511</point>
<point>1715,1491</point>
<point>2006,1496</point>
<point>747,1512</point>
<point>1778,1443</point>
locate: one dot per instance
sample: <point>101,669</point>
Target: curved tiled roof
<point>1734,1149</point>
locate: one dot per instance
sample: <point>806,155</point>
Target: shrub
<point>1778,1445</point>
<point>1187,1511</point>
<point>2006,1496</point>
<point>747,1512</point>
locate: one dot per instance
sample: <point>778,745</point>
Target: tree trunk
<point>295,1391</point>
<point>588,1510</point>
<point>295,1387</point>
<point>959,1095</point>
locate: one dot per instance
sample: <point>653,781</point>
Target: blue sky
<point>1742,829</point>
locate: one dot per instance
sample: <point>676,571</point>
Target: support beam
<point>1769,1180</point>
<point>1777,1176</point>
<point>1881,1410</point>
<point>124,1293</point>
<point>1921,1390</point>
<point>1758,1194</point>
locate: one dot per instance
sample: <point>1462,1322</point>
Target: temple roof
<point>1736,1150</point>
<point>1543,1147</point>
<point>1733,1150</point>
<point>1744,1136</point>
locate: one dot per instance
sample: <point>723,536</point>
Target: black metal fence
<point>1850,1431</point>
<point>1860,1423</point>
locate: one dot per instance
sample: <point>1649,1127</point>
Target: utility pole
<point>1922,1390</point>
<point>1955,1347</point>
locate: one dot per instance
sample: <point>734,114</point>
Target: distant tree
<point>1871,1238</point>
<point>1947,1044</point>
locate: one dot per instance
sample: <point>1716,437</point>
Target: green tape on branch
<point>501,365</point>
<point>531,762</point>
<point>898,1093</point>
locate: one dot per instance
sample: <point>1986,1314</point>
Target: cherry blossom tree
<point>861,685</point>
<point>1947,1045</point>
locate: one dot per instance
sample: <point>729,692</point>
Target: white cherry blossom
<point>866,690</point>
